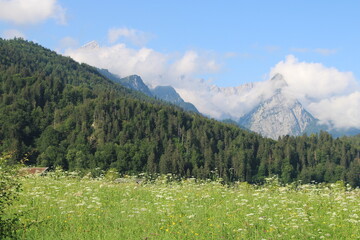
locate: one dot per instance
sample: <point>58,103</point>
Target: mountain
<point>132,82</point>
<point>109,75</point>
<point>136,83</point>
<point>165,93</point>
<point>57,112</point>
<point>169,94</point>
<point>269,108</point>
<point>278,115</point>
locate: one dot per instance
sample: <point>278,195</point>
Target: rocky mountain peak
<point>135,82</point>
<point>278,116</point>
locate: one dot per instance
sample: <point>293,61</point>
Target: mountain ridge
<point>165,93</point>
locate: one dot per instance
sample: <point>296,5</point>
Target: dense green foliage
<point>355,140</point>
<point>68,207</point>
<point>9,191</point>
<point>66,114</point>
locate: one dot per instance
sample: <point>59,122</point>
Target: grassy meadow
<point>70,207</point>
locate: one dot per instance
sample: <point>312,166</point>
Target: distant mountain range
<point>165,93</point>
<point>265,107</point>
<point>277,114</point>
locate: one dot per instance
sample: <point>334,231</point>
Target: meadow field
<point>65,206</point>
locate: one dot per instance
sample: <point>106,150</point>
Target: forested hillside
<point>61,113</point>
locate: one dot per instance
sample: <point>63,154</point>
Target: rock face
<point>136,83</point>
<point>169,94</point>
<point>278,115</point>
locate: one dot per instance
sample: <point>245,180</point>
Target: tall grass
<point>65,207</point>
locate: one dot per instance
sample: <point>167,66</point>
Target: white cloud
<point>329,94</point>
<point>314,80</point>
<point>12,33</point>
<point>154,67</point>
<point>192,63</point>
<point>340,112</point>
<point>31,11</point>
<point>124,61</point>
<point>136,37</point>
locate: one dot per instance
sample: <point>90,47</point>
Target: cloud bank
<point>154,67</point>
<point>339,112</point>
<point>329,94</point>
<point>24,12</point>
<point>314,80</point>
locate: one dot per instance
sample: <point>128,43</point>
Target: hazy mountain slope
<point>169,94</point>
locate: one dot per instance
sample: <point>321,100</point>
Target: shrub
<point>111,174</point>
<point>9,191</point>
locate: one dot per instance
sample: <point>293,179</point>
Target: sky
<point>196,45</point>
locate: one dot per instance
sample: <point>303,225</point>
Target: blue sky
<point>246,38</point>
<point>194,45</point>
